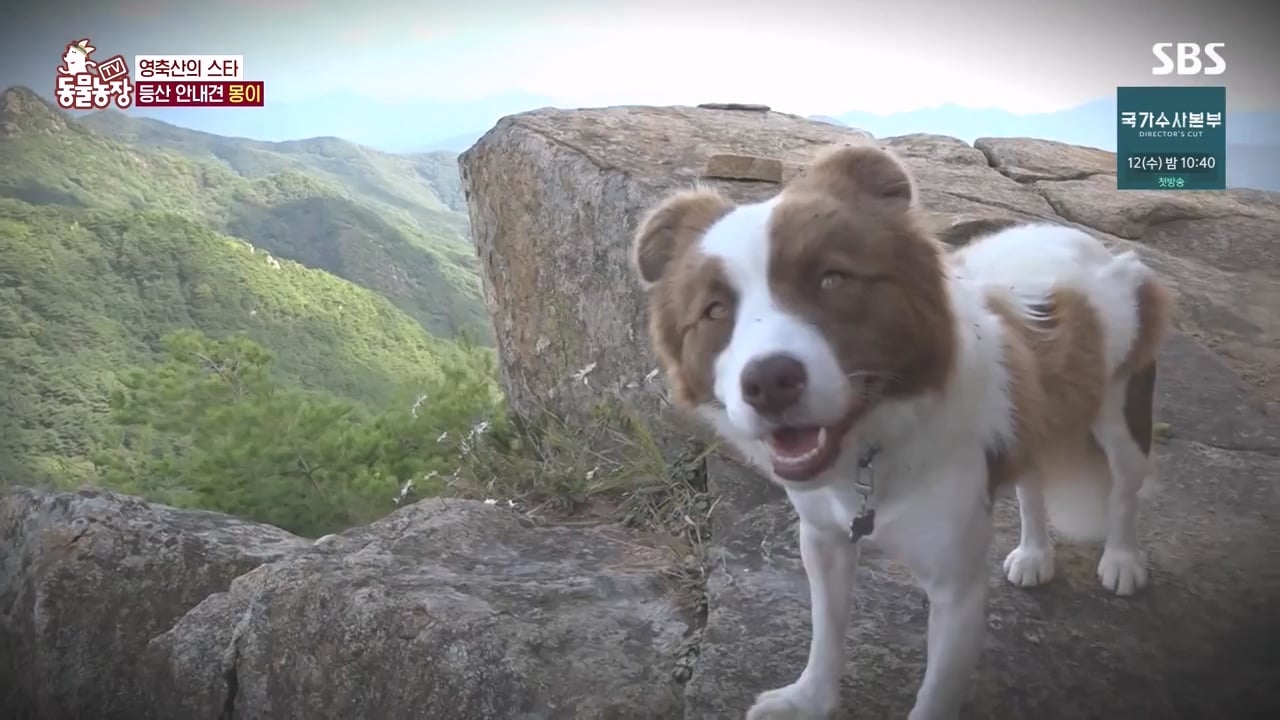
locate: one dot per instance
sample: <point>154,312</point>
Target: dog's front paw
<point>793,702</point>
<point>1028,566</point>
<point>1123,572</point>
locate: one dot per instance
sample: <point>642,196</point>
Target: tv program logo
<point>87,84</point>
<point>1186,59</point>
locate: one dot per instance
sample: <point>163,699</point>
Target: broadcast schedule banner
<point>1171,138</point>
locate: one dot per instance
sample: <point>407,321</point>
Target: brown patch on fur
<point>685,284</point>
<point>857,174</point>
<point>672,226</point>
<point>884,308</point>
<point>686,338</point>
<point>1155,318</point>
<point>1026,393</point>
<point>1139,406</point>
<point>1057,367</point>
<point>1155,311</point>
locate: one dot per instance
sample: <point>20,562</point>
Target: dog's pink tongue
<point>791,442</point>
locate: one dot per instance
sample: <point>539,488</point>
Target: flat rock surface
<point>743,167</point>
<point>445,609</point>
<point>1028,159</point>
<point>117,609</point>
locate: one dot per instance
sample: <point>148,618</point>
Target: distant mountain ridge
<point>1252,137</point>
<point>412,125</point>
<point>411,182</point>
<point>1092,124</point>
<point>454,127</point>
<point>367,216</point>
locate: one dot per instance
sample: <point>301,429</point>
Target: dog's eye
<point>715,311</point>
<point>831,279</point>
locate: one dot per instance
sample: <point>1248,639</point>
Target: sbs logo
<point>1186,59</point>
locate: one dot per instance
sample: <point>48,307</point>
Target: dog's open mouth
<point>803,453</point>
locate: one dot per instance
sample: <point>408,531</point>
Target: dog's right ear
<point>675,223</point>
<point>862,170</point>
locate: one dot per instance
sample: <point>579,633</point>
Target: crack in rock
<point>231,664</point>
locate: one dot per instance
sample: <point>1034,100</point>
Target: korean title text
<point>195,81</point>
<point>1171,125</point>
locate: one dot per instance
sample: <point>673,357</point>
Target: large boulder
<point>554,196</point>
<point>116,609</point>
<point>446,609</point>
<point>88,578</point>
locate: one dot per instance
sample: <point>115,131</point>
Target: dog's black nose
<point>773,383</point>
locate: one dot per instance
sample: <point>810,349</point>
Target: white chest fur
<point>918,504</point>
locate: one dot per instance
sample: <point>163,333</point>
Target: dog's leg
<point>830,561</point>
<point>1031,562</point>
<point>957,589</point>
<point>1123,431</point>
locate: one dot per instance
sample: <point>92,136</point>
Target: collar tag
<point>864,523</point>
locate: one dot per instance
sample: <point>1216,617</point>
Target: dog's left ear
<point>676,222</point>
<point>862,172</point>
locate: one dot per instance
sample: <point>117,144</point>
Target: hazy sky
<point>803,56</point>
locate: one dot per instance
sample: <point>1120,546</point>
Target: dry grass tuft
<point>612,469</point>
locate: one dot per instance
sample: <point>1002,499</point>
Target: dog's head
<point>796,317</point>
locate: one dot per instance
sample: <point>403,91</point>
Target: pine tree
<point>210,427</point>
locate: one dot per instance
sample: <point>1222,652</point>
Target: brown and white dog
<point>842,349</point>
